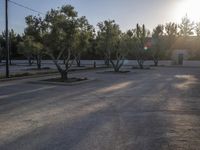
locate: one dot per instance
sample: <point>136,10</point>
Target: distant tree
<point>108,37</point>
<point>186,27</point>
<point>120,52</point>
<point>171,30</point>
<point>1,53</point>
<point>92,48</point>
<point>2,47</point>
<point>196,43</point>
<point>197,29</point>
<point>157,44</point>
<point>141,36</point>
<point>59,40</point>
<point>38,51</point>
<point>36,29</point>
<point>14,40</point>
<point>83,34</point>
<point>27,48</point>
<point>112,43</point>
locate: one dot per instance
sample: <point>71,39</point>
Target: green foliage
<point>2,47</point>
<point>35,27</point>
<point>92,50</point>
<point>26,47</point>
<point>29,47</point>
<point>14,39</point>
<point>1,53</point>
<point>112,43</point>
<point>84,33</point>
<point>141,35</point>
<point>108,37</point>
<point>60,36</point>
<point>171,29</point>
<point>157,44</point>
<point>170,37</point>
<point>61,25</point>
<point>34,34</point>
<point>124,46</point>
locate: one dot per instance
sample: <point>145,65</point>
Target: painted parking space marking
<point>26,92</point>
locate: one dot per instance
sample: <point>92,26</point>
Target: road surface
<point>155,109</point>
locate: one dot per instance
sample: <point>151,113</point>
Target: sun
<point>191,8</point>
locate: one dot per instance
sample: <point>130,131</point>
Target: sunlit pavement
<point>155,109</point>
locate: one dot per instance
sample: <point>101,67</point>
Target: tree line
<point>63,35</point>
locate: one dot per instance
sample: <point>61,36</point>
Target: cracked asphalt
<point>155,109</point>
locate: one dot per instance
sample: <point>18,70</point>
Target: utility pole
<point>7,40</point>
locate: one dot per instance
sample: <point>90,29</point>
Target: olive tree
<point>108,37</point>
<point>120,52</point>
<point>59,39</point>
<point>29,48</point>
<point>83,34</point>
<point>140,39</point>
<point>36,29</point>
<point>157,44</point>
<point>112,43</point>
<point>14,39</point>
<point>171,34</point>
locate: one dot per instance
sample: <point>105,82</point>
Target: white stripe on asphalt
<point>26,92</point>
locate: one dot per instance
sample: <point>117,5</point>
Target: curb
<point>43,75</point>
<point>63,84</point>
<point>28,77</point>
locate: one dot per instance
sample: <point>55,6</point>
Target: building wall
<point>176,53</point>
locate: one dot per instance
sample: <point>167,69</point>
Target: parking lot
<point>156,109</point>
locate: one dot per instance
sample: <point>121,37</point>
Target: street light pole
<point>7,40</point>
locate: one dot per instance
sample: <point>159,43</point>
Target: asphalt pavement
<point>156,109</point>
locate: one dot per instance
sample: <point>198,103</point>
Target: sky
<point>126,13</point>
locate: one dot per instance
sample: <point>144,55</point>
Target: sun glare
<point>189,7</point>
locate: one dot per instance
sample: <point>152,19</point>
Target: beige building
<point>179,55</point>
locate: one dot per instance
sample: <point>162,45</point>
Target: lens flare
<point>191,8</point>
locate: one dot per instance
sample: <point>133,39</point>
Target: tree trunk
<point>95,65</point>
<point>38,62</point>
<point>30,61</point>
<point>140,63</point>
<point>10,61</point>
<point>141,66</point>
<point>155,62</point>
<point>107,62</point>
<point>78,62</point>
<point>116,69</point>
<point>64,75</point>
<point>118,65</point>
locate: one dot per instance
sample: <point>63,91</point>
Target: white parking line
<point>26,92</point>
